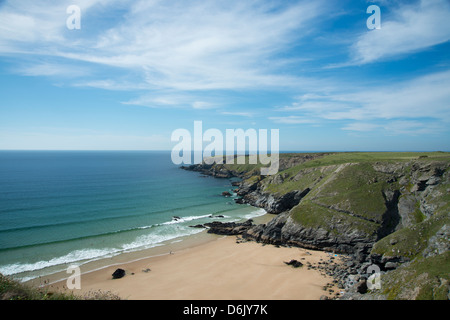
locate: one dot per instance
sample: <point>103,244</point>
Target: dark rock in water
<point>229,228</point>
<point>198,226</point>
<point>176,218</point>
<point>226,194</point>
<point>294,263</point>
<point>119,273</point>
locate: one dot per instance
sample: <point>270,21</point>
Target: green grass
<point>14,290</point>
<point>423,279</point>
<point>298,181</point>
<point>311,215</point>
<point>300,176</point>
<point>359,157</point>
<point>357,189</point>
<point>11,289</point>
<point>417,214</point>
<point>411,241</point>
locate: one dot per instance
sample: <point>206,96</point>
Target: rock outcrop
<point>229,228</point>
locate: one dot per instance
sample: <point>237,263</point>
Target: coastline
<point>217,269</point>
<point>164,248</point>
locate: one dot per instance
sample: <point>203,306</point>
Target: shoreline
<point>162,249</point>
<point>219,268</point>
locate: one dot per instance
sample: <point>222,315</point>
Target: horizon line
<point>246,152</point>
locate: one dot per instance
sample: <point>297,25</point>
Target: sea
<point>61,208</point>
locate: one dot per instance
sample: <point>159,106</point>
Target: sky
<point>135,71</point>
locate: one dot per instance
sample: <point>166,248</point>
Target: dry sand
<point>218,270</point>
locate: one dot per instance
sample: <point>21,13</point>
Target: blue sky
<point>138,70</point>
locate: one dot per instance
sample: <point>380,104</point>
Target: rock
<point>229,228</point>
<point>146,270</point>
<point>226,194</point>
<point>119,273</point>
<point>294,263</point>
<point>361,287</point>
<point>198,226</point>
<point>391,265</point>
<point>323,297</point>
<point>176,218</point>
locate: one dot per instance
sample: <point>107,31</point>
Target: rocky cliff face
<point>387,212</point>
<point>349,206</point>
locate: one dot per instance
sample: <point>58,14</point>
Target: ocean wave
<point>83,256</point>
<point>74,256</point>
<point>160,233</point>
<point>256,213</point>
<point>155,239</point>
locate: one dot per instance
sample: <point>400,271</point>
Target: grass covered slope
<point>13,290</point>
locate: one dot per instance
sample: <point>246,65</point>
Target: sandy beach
<point>221,269</point>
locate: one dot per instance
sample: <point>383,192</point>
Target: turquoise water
<point>73,207</point>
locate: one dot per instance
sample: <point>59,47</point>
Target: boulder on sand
<point>294,263</point>
<point>119,273</point>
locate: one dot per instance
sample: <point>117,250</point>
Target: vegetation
<point>422,279</point>
<point>13,290</point>
<point>410,242</point>
<point>312,215</point>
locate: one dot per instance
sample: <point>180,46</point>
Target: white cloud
<point>202,105</point>
<point>52,69</point>
<point>361,126</point>
<point>399,127</point>
<point>239,114</point>
<point>170,45</point>
<point>420,105</point>
<point>409,28</point>
<point>425,96</point>
<point>293,120</point>
<point>38,27</point>
<point>171,100</point>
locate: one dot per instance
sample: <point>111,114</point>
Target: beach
<point>220,269</point>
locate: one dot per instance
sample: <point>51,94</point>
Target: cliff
<point>385,209</point>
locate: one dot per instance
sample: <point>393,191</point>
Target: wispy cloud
<point>409,28</point>
<point>293,120</point>
<point>425,97</point>
<point>52,70</point>
<point>399,127</point>
<point>205,45</point>
<point>203,105</point>
<point>239,114</point>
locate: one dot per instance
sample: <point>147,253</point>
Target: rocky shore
<point>380,217</point>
